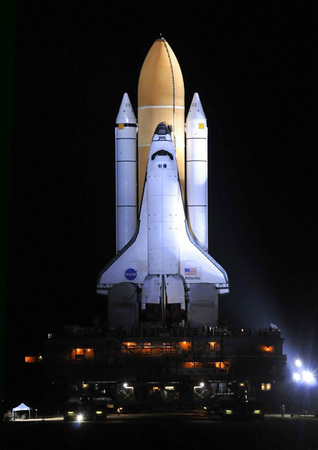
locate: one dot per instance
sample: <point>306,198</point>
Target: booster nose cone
<point>126,112</point>
<point>196,109</point>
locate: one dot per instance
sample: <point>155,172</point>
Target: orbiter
<point>162,274</point>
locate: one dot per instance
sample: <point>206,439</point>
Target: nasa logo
<point>130,274</point>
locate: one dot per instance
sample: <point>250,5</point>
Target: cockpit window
<point>162,153</point>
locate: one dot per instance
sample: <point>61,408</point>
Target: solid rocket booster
<point>197,171</point>
<point>126,173</point>
<point>160,99</point>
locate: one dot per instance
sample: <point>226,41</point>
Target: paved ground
<point>164,431</point>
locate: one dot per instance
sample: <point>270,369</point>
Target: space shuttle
<point>162,274</point>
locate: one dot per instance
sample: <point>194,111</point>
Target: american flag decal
<point>190,271</point>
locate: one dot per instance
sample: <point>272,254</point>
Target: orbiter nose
<point>162,129</point>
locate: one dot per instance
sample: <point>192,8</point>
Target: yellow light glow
<point>220,365</point>
<point>185,345</point>
<point>188,365</point>
<point>89,353</point>
<point>79,351</point>
<point>82,353</point>
<point>130,344</point>
<point>30,359</point>
<point>201,126</point>
<point>267,348</point>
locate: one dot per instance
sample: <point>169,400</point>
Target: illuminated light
<point>99,412</point>
<point>70,413</point>
<point>220,365</point>
<point>79,351</point>
<point>298,363</point>
<point>121,126</point>
<point>188,365</point>
<point>267,348</point>
<point>296,376</point>
<point>80,417</point>
<point>228,411</point>
<point>82,353</point>
<point>89,353</point>
<point>200,386</point>
<point>84,385</point>
<point>308,377</point>
<point>125,385</point>
<point>129,344</point>
<point>156,388</point>
<point>266,386</point>
<point>169,388</point>
<point>185,345</point>
<point>201,126</point>
<point>257,411</point>
<point>30,359</point>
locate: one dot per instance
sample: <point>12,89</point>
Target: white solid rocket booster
<point>126,173</point>
<point>197,171</point>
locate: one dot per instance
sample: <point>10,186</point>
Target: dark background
<point>254,67</point>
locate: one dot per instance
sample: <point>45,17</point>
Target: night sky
<point>254,69</point>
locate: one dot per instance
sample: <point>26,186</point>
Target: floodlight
<point>296,376</point>
<point>308,377</point>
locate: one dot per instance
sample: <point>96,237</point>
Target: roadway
<point>164,431</point>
